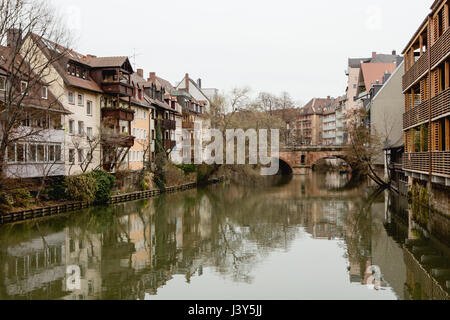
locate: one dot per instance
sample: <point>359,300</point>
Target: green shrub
<point>105,184</point>
<point>6,202</point>
<point>58,190</point>
<point>188,168</point>
<point>21,198</point>
<point>82,188</point>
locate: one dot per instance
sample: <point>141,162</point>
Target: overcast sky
<point>296,46</point>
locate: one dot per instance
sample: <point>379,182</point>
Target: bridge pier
<point>301,170</point>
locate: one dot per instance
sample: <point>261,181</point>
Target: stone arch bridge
<point>301,159</point>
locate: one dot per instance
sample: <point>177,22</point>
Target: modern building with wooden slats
<point>426,121</point>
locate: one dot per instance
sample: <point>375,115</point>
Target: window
<point>89,108</point>
<point>2,83</point>
<point>23,86</point>
<point>80,99</point>
<point>80,128</point>
<point>58,150</point>
<point>51,153</point>
<point>71,97</point>
<point>153,134</point>
<point>72,155</point>
<point>32,153</point>
<point>44,93</point>
<point>145,114</point>
<point>145,134</point>
<point>89,133</point>
<point>134,132</point>
<point>20,152</point>
<point>81,156</point>
<point>71,126</point>
<point>40,153</point>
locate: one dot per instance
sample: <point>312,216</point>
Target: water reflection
<point>303,239</point>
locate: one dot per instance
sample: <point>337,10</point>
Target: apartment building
<point>341,126</point>
<point>329,126</point>
<point>307,128</point>
<point>165,112</point>
<point>38,131</point>
<point>93,89</point>
<point>140,154</point>
<point>426,121</point>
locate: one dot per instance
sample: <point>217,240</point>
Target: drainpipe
<point>430,131</point>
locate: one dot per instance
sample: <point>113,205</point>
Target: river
<point>306,238</point>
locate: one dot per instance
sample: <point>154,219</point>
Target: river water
<point>306,238</point>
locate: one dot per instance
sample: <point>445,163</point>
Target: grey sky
<point>296,46</point>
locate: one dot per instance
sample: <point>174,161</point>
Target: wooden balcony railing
<point>167,124</point>
<point>440,104</point>
<point>188,125</point>
<point>120,88</point>
<point>441,162</point>
<point>118,114</point>
<point>420,162</point>
<point>416,71</point>
<point>169,144</point>
<point>440,49</point>
<point>416,115</point>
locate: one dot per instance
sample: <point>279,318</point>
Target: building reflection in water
<point>132,250</point>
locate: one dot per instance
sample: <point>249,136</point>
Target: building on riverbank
<point>38,144</point>
<point>426,121</point>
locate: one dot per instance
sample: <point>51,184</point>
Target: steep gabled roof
<point>373,72</point>
<point>34,98</point>
<point>316,106</point>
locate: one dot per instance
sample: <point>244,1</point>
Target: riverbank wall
<point>57,210</point>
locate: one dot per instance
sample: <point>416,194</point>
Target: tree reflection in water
<point>132,250</point>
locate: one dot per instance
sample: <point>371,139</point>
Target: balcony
<point>167,124</point>
<point>117,140</point>
<point>117,88</point>
<point>169,144</point>
<point>118,114</point>
<point>420,162</point>
<point>416,71</point>
<point>440,49</point>
<point>188,125</point>
<point>416,115</point>
<point>440,106</point>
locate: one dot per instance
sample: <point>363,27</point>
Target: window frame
<point>45,97</point>
<point>71,93</point>
<point>4,83</point>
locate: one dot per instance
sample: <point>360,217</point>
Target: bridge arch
<point>323,157</point>
<point>285,168</point>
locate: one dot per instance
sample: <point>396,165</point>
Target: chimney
<point>199,83</point>
<point>152,77</point>
<point>394,53</point>
<point>140,72</point>
<point>14,37</point>
<point>374,54</point>
<point>186,80</point>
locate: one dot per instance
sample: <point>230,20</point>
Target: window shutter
<point>407,104</point>
<point>435,32</point>
<point>445,17</point>
<point>436,136</point>
<point>447,134</point>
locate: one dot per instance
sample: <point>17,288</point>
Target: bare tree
<point>363,147</point>
<point>26,68</point>
<point>85,147</point>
